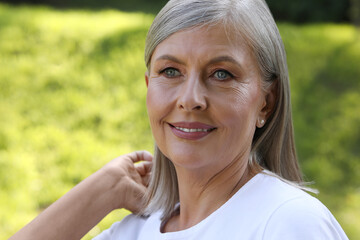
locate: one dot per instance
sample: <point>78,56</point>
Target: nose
<point>192,95</point>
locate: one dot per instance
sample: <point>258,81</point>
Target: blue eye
<point>222,75</point>
<point>171,72</point>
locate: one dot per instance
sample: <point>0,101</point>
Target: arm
<point>119,184</point>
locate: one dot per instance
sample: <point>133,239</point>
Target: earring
<point>261,123</point>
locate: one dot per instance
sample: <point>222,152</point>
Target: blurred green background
<point>72,97</point>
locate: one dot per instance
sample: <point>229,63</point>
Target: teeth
<point>192,129</point>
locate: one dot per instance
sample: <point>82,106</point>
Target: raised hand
<point>131,173</point>
<point>119,184</point>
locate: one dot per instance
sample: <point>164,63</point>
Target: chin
<point>189,158</point>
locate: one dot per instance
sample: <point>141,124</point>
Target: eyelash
<point>230,76</point>
<point>169,68</point>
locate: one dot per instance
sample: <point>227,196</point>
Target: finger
<point>146,179</point>
<point>143,168</point>
<point>140,156</point>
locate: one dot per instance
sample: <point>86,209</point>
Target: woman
<point>225,165</point>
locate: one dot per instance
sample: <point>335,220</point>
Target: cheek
<point>239,102</point>
<point>154,110</point>
<point>159,103</point>
<point>238,110</point>
<point>153,105</point>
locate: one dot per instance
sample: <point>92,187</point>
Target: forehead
<point>201,44</point>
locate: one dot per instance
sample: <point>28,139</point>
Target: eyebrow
<point>212,61</point>
<point>171,58</point>
<point>225,59</point>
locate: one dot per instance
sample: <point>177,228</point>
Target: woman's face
<point>204,99</point>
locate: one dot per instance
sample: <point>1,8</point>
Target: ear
<point>269,104</point>
<point>147,79</point>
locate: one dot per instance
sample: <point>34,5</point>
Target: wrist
<point>109,180</point>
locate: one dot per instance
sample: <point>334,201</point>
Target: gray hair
<point>273,146</point>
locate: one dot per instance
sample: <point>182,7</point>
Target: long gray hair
<point>273,146</point>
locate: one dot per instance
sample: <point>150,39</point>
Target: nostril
<point>197,107</point>
<point>191,108</point>
<point>192,99</point>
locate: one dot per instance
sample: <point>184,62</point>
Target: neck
<point>202,192</point>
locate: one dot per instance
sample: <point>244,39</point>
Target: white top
<point>264,208</point>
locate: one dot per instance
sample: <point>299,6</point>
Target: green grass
<point>72,97</point>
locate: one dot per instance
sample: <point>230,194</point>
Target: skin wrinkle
<point>239,99</point>
<point>232,106</point>
<point>228,167</point>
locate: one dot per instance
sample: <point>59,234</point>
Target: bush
<point>299,11</point>
<point>303,11</point>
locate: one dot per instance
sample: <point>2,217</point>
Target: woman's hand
<point>119,184</point>
<point>130,178</point>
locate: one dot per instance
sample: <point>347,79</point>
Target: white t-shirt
<point>264,208</point>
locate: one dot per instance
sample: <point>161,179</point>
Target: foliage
<point>324,71</point>
<point>134,5</point>
<point>355,12</point>
<point>73,97</point>
<point>299,11</point>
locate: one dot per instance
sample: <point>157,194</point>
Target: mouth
<point>191,130</point>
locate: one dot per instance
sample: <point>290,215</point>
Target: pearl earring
<point>262,121</point>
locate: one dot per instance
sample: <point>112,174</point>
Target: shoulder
<point>273,192</point>
<point>128,227</point>
<point>297,215</point>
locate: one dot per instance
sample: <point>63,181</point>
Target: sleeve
<point>128,228</point>
<point>301,219</point>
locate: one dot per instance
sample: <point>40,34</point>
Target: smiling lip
<point>191,130</point>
